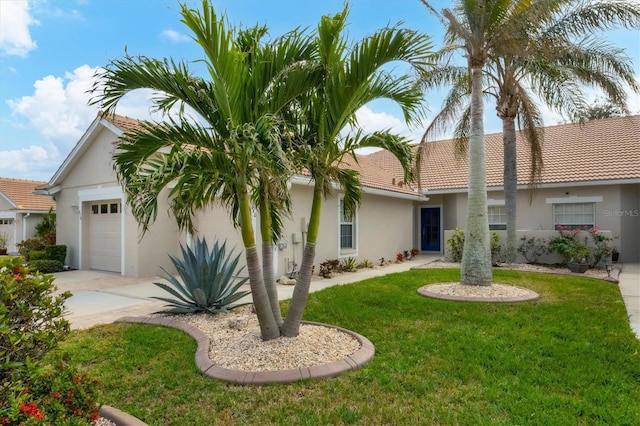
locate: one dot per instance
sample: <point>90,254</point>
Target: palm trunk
<point>291,326</point>
<point>267,260</point>
<point>268,326</point>
<point>510,177</point>
<point>475,268</point>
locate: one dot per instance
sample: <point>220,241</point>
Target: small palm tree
<point>348,78</point>
<point>226,147</point>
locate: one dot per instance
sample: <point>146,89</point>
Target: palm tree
<point>226,147</point>
<point>349,78</point>
<point>557,59</point>
<point>479,29</point>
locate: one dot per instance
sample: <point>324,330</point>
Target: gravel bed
<point>527,267</point>
<point>236,343</point>
<point>489,291</point>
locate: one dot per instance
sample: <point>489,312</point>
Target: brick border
<point>532,296</point>
<point>329,369</point>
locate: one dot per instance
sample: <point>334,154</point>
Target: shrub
<point>47,225</point>
<point>46,266</point>
<point>602,246</point>
<point>26,246</point>
<point>570,246</point>
<point>495,248</point>
<point>456,245</point>
<point>365,264</point>
<point>533,248</point>
<point>414,252</point>
<point>328,267</point>
<point>37,255</point>
<point>32,389</point>
<point>58,252</point>
<point>31,322</point>
<point>348,264</point>
<point>399,257</point>
<point>209,280</point>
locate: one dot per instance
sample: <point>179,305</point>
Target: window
<point>497,218</point>
<point>347,229</point>
<point>94,209</point>
<point>114,208</point>
<point>574,215</point>
<point>6,221</point>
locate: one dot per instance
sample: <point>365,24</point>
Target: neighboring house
<point>591,177</point>
<point>21,210</point>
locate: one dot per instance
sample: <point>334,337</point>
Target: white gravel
<point>236,343</point>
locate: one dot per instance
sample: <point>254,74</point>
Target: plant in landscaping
<point>456,245</point>
<point>533,248</point>
<point>4,239</point>
<point>209,280</point>
<point>414,252</point>
<point>348,264</point>
<point>495,248</point>
<point>366,263</point>
<point>32,391</point>
<point>46,266</point>
<point>569,245</point>
<point>328,267</point>
<point>602,249</point>
<point>28,245</point>
<point>399,257</point>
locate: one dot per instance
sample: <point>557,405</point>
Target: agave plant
<point>208,280</point>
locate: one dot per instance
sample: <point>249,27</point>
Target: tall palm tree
<point>558,58</point>
<point>479,29</point>
<point>226,147</point>
<point>349,78</point>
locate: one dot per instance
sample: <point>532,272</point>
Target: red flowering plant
<point>31,325</point>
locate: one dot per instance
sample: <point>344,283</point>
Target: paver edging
<point>531,297</point>
<point>327,370</point>
<point>120,418</point>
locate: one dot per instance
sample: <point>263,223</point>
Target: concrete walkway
<point>102,298</point>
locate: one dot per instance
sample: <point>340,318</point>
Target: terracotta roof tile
<point>20,192</point>
<point>598,150</point>
<point>123,122</point>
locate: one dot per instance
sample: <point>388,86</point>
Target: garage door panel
<point>105,250</point>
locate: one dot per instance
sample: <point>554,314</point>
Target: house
<point>21,210</point>
<point>591,177</point>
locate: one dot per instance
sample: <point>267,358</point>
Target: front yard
<point>569,358</point>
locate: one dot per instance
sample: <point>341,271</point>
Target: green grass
<point>570,358</point>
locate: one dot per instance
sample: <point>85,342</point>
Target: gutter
<point>308,181</point>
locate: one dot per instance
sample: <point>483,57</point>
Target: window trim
<point>574,224</point>
<point>497,226</point>
<point>347,251</point>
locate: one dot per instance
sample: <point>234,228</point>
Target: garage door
<point>105,250</point>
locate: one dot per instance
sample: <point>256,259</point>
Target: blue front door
<point>430,229</point>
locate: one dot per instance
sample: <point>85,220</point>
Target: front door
<point>430,229</point>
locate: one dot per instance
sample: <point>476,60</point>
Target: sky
<point>50,50</point>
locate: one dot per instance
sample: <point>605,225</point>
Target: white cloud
<point>174,36</point>
<point>15,19</point>
<point>58,108</point>
<point>33,162</point>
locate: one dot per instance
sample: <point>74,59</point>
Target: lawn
<point>570,358</point>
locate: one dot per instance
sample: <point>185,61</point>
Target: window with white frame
<point>6,221</point>
<point>574,215</point>
<point>347,229</point>
<point>497,218</point>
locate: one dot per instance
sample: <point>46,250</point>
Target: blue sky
<point>50,49</point>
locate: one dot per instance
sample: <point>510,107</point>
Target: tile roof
<point>20,193</point>
<point>598,150</point>
<point>371,174</point>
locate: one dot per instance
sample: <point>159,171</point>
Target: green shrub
<point>32,390</point>
<point>348,264</point>
<point>46,266</point>
<point>366,263</point>
<point>58,252</point>
<point>209,282</point>
<point>495,248</point>
<point>26,246</point>
<point>37,255</point>
<point>533,248</point>
<point>456,245</point>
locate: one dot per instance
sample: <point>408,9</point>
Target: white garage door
<point>105,250</point>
